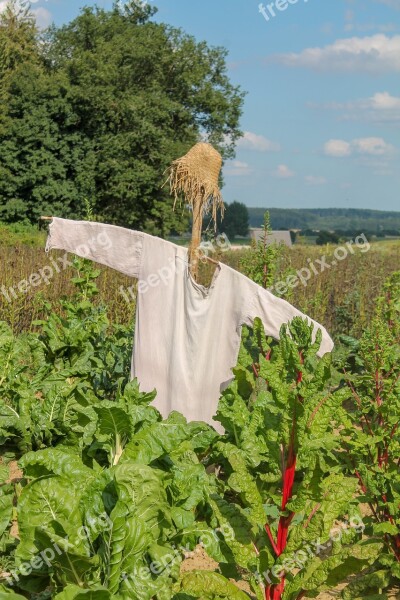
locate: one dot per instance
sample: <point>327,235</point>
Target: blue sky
<point>322,111</point>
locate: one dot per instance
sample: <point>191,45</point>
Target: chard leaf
<point>153,442</point>
<point>139,518</point>
<point>187,485</point>
<point>385,527</point>
<point>6,508</point>
<point>244,381</point>
<point>236,529</point>
<point>330,500</point>
<point>7,594</point>
<point>210,585</point>
<point>56,461</point>
<point>395,570</point>
<point>49,501</point>
<point>242,482</point>
<point>73,592</point>
<point>68,565</point>
<point>134,397</point>
<point>325,573</point>
<point>4,473</point>
<point>114,429</point>
<point>232,411</point>
<point>96,503</point>
<point>368,583</point>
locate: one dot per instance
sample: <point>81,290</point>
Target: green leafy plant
<point>372,437</point>
<point>124,494</point>
<point>261,263</point>
<point>50,379</point>
<point>289,513</point>
<point>106,529</point>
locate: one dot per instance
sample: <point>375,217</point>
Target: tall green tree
<point>17,47</point>
<point>236,220</point>
<point>17,40</point>
<point>118,98</point>
<point>45,163</point>
<point>19,58</point>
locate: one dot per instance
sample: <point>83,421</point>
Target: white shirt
<point>187,337</point>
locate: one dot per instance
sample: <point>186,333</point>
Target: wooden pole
<point>196,237</point>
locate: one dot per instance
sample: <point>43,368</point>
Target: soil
<point>15,472</point>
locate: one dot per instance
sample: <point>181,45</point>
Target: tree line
<point>98,108</point>
<point>329,219</point>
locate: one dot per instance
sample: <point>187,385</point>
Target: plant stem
<point>274,592</point>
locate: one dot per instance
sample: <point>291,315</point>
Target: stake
<point>196,237</point>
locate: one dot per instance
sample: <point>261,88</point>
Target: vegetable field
<point>101,498</point>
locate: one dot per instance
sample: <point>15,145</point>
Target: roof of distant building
<point>279,237</point>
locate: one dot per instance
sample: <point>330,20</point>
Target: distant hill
<point>327,218</point>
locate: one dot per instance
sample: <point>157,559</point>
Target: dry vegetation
<point>342,297</point>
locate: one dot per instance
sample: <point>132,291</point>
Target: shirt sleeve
<point>112,246</point>
<point>274,312</point>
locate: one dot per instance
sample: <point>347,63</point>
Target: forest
<point>99,108</point>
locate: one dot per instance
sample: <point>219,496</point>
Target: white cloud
<point>238,168</point>
<point>371,146</point>
<point>373,54</point>
<point>315,180</point>
<point>283,172</point>
<point>384,101</point>
<point>381,101</point>
<point>252,141</point>
<point>338,148</point>
<point>43,17</point>
<point>382,107</point>
<point>3,4</point>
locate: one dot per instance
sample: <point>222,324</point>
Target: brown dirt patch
<point>15,472</point>
<point>198,560</point>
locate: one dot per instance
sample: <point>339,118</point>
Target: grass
<point>342,298</point>
<point>21,235</point>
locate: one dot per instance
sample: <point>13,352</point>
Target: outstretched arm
<point>112,246</point>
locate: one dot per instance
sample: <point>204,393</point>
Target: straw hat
<point>196,176</point>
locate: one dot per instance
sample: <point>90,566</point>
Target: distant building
<point>278,237</point>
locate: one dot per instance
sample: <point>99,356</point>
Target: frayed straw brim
<point>196,177</point>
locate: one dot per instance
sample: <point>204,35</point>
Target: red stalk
<point>274,592</point>
<point>363,488</point>
<point>271,539</point>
